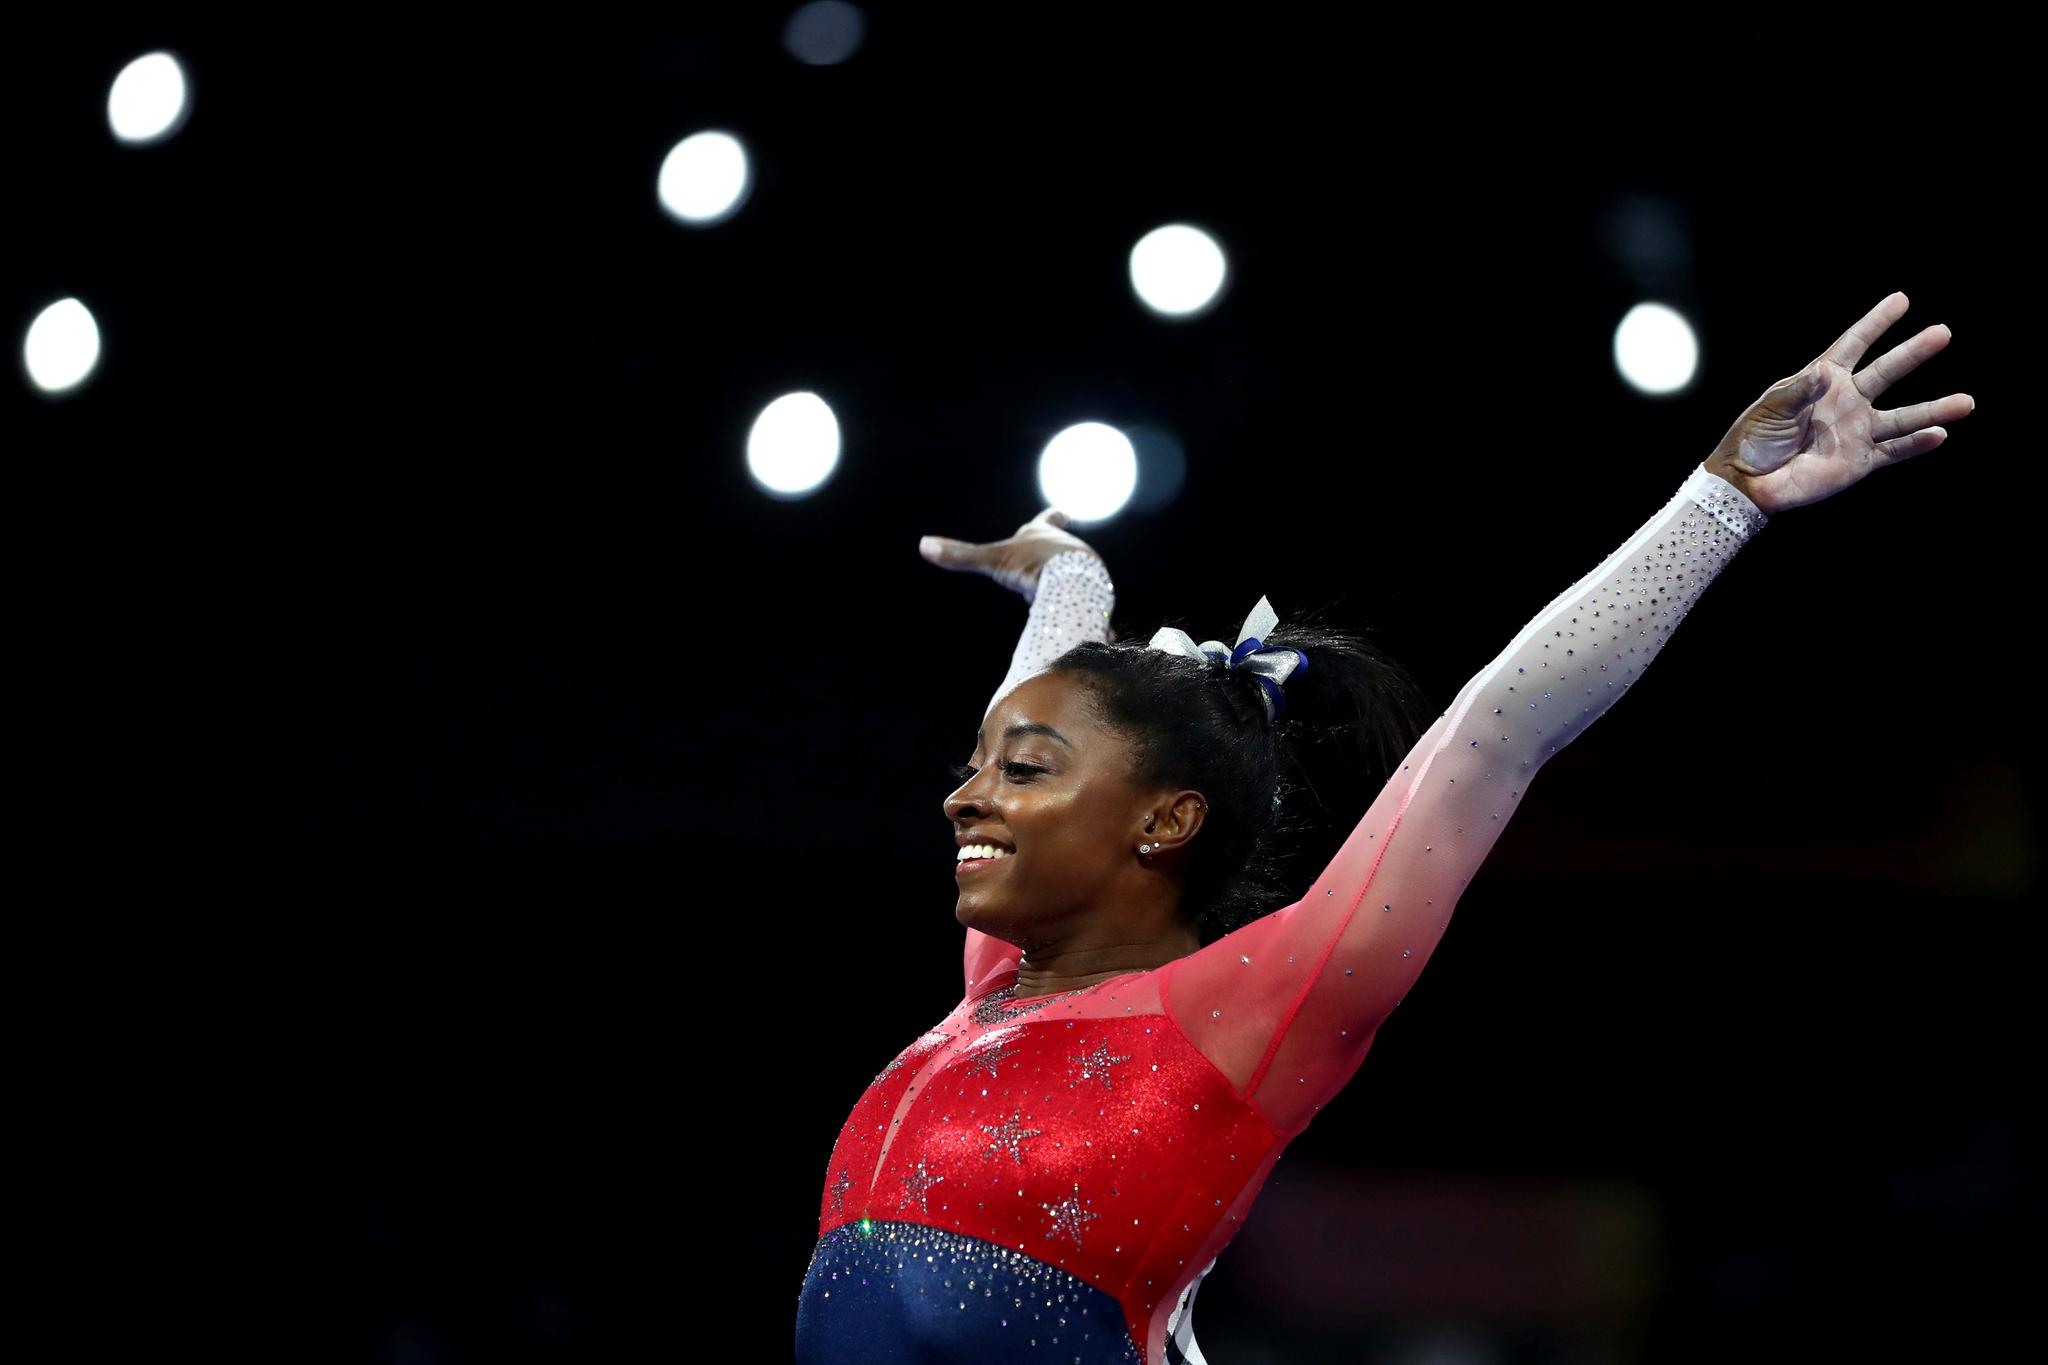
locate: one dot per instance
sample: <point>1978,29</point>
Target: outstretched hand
<point>1013,562</point>
<point>1815,433</point>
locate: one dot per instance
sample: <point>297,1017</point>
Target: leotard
<point>1048,1179</point>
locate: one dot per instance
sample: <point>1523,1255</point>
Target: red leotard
<point>1050,1178</point>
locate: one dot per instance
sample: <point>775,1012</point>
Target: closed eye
<point>961,771</point>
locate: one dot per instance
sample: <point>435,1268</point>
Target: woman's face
<point>1054,788</point>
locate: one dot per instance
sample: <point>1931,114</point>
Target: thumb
<point>1801,391</point>
<point>945,552</point>
<point>1053,516</point>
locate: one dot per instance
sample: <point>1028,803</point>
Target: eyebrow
<point>1028,727</point>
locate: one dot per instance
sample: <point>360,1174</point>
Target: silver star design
<point>917,1186</point>
<point>1068,1216</point>
<point>1097,1063</point>
<point>839,1188</point>
<point>1010,1134</point>
<point>991,1011</point>
<point>990,1056</point>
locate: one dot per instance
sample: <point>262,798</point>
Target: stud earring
<point>1144,848</point>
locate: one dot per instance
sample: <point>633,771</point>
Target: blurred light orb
<point>705,178</point>
<point>147,101</point>
<point>794,446</point>
<point>1162,466</point>
<point>1178,271</point>
<point>824,33</point>
<point>1656,349</point>
<point>62,346</point>
<point>1088,471</point>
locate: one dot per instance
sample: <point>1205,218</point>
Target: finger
<point>1906,447</point>
<point>1901,360</point>
<point>1899,421</point>
<point>1850,346</point>
<point>950,554</point>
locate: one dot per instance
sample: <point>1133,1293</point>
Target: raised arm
<point>1071,603</point>
<point>1071,597</point>
<point>1287,1005</point>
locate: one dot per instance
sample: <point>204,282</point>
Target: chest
<point>1094,1144</point>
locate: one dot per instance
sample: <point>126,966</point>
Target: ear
<point>1173,820</point>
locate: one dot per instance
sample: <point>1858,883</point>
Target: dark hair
<point>1281,798</point>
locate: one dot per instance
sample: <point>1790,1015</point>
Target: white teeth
<point>980,851</point>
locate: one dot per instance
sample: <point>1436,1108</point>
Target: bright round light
<point>794,446</point>
<point>1655,349</point>
<point>1088,471</point>
<point>705,178</point>
<point>147,99</point>
<point>62,346</point>
<point>1178,271</point>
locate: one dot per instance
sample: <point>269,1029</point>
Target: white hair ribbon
<point>1272,667</point>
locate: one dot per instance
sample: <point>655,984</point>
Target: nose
<point>964,799</point>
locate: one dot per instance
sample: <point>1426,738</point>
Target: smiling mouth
<point>976,864</point>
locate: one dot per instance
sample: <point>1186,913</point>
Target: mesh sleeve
<point>1287,1005</point>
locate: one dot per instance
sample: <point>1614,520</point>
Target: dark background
<point>475,848</point>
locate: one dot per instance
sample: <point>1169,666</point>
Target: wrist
<point>1722,467</point>
<point>1082,561</point>
<point>1726,492</point>
<point>1071,561</point>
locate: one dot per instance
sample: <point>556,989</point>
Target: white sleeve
<point>1071,603</point>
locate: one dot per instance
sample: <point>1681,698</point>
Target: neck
<point>1050,971</point>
